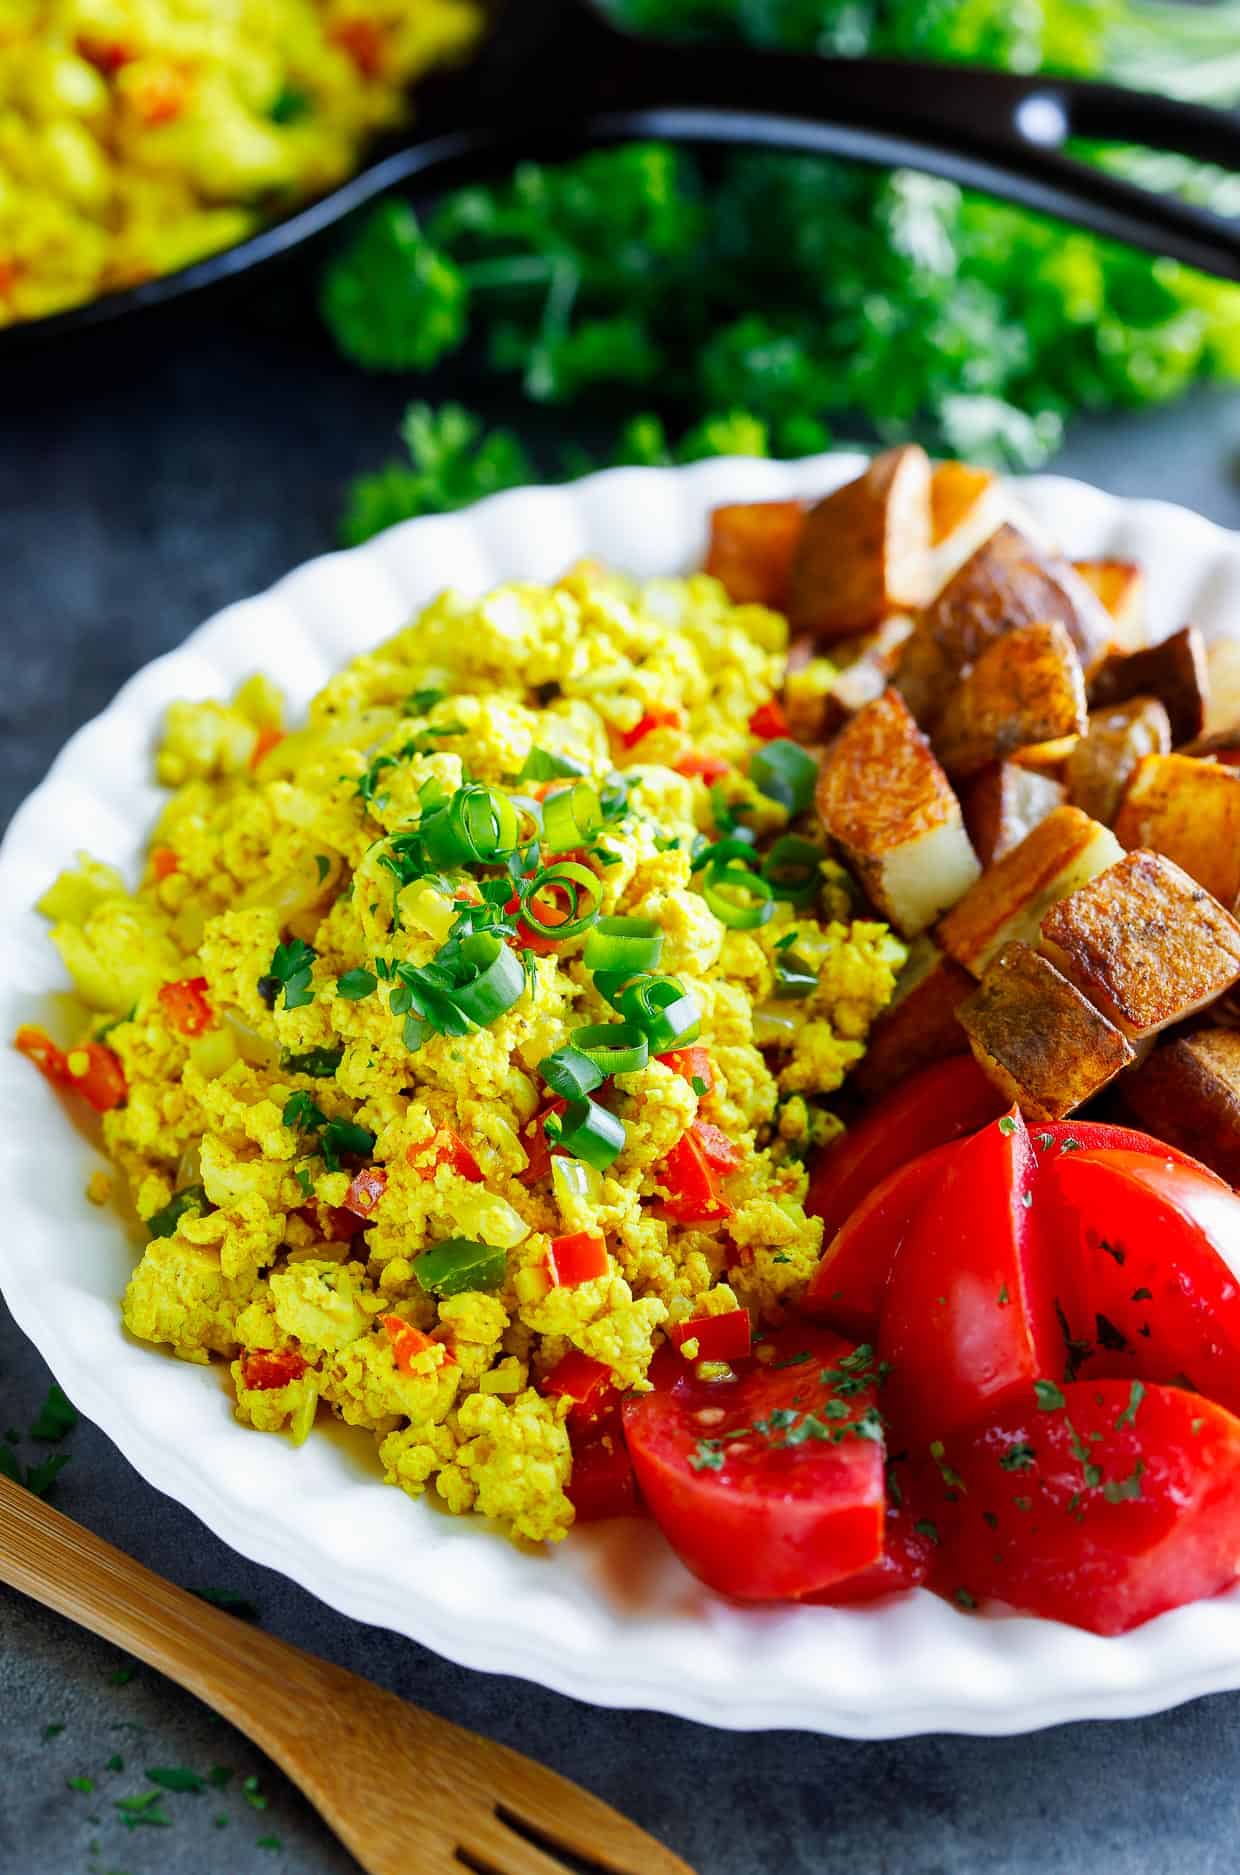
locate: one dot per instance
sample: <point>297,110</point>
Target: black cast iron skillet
<point>554,79</point>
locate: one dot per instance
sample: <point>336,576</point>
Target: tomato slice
<point>848,1287</point>
<point>908,1550</point>
<point>1103,1505</point>
<point>768,1486</point>
<point>1148,1275</point>
<point>968,1318</point>
<point>1052,1139</point>
<point>944,1102</point>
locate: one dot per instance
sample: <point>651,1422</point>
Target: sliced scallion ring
<point>623,944</point>
<point>613,1047</point>
<point>570,1074</point>
<point>794,978</point>
<point>571,817</point>
<point>739,897</point>
<point>663,1009</point>
<point>784,772</point>
<point>475,826</point>
<point>498,981</point>
<point>719,852</point>
<point>574,882</point>
<point>588,1131</point>
<point>791,869</point>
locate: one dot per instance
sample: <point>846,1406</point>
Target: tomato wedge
<point>602,1482</point>
<point>942,1103</point>
<point>848,1287</point>
<point>771,1485</point>
<point>1053,1139</point>
<point>1102,1504</point>
<point>968,1318</point>
<point>1148,1275</point>
<point>908,1550</point>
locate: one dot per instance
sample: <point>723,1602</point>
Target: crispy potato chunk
<point>1027,687</point>
<point>751,549</point>
<point>1105,758</point>
<point>1007,583</point>
<point>1013,896</point>
<point>966,506</point>
<point>1189,809</point>
<point>1222,725</point>
<point>1038,1038</point>
<point>1120,585</point>
<point>1004,804</point>
<point>886,802</point>
<point>1188,1093</point>
<point>919,1026</point>
<point>865,550</point>
<point>1146,944</point>
<point>1174,671</point>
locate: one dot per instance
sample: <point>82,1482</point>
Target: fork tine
<point>546,1813</point>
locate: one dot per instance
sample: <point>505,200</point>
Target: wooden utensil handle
<point>213,1655</point>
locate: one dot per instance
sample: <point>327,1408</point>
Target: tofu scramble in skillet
<point>455,1047</point>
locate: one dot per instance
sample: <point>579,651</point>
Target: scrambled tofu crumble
<point>331,1032</point>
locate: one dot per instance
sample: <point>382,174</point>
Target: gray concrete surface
<point>142,486</point>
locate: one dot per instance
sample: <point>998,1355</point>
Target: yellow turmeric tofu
<point>1189,809</point>
<point>1146,944</point>
<point>1013,896</point>
<point>865,550</point>
<point>888,805</point>
<point>1040,1041</point>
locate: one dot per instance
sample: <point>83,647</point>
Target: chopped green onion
<point>784,772</point>
<point>623,944</point>
<point>570,1074</point>
<point>191,1198</point>
<point>794,978</point>
<point>791,869</point>
<point>613,1047</point>
<point>475,827</point>
<point>531,827</point>
<point>588,1131</point>
<point>546,765</point>
<point>663,1009</point>
<point>571,817</point>
<point>718,852</point>
<point>739,897</point>
<point>456,1264</point>
<point>575,881</point>
<point>497,980</point>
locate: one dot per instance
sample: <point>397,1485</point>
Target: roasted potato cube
<point>919,1026</point>
<point>1222,726</point>
<point>1027,687</point>
<point>1013,896</point>
<point>1120,585</point>
<point>751,548</point>
<point>1174,671</point>
<point>1105,758</point>
<point>1005,803</point>
<point>866,675</point>
<point>888,805</point>
<point>1145,943</point>
<point>966,506</point>
<point>1188,1093</point>
<point>865,550</point>
<point>1007,583</point>
<point>1038,1038</point>
<point>1189,809</point>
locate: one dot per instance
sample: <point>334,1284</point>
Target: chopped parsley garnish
<point>83,1784</point>
<point>708,1456</point>
<point>253,1795</point>
<point>951,1478</point>
<point>1129,1414</point>
<point>1143,1295</point>
<point>1113,1250</point>
<point>219,1776</point>
<point>230,1601</point>
<point>53,1730</point>
<point>1007,1125</point>
<point>142,1811</point>
<point>1109,1336</point>
<point>290,971</point>
<point>1050,1398</point>
<point>698,1085</point>
<point>1004,1298</point>
<point>963,1599</point>
<point>319,1063</point>
<point>56,1418</point>
<point>191,1198</point>
<point>268,1842</point>
<point>1018,1457</point>
<point>794,1360</point>
<point>927,1529</point>
<point>176,1777</point>
<point>1117,1491</point>
<point>356,984</point>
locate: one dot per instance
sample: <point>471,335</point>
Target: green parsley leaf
<point>192,1198</point>
<point>454,462</point>
<point>302,1113</point>
<point>1135,1396</point>
<point>83,1784</point>
<point>963,1599</point>
<point>1117,1491</point>
<point>268,1842</point>
<point>40,1478</point>
<point>219,1776</point>
<point>1050,1398</point>
<point>115,1762</point>
<point>290,969</point>
<point>252,1794</point>
<point>319,1063</point>
<point>1018,1457</point>
<point>1007,1125</point>
<point>927,1529</point>
<point>343,1136</point>
<point>355,984</point>
<point>708,1457</point>
<point>547,765</point>
<point>176,1777</point>
<point>53,1731</point>
<point>230,1601</point>
<point>323,866</point>
<point>56,1418</point>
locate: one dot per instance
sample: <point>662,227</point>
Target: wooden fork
<point>408,1793</point>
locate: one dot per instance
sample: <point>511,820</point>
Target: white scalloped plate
<point>610,1617</point>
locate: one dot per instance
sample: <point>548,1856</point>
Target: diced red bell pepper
<point>38,1046</point>
<point>577,1258</point>
<point>537,1146</point>
<point>445,1148</point>
<point>602,1482</point>
<point>587,1383</point>
<point>363,41</point>
<point>186,1006</point>
<point>265,1369</point>
<point>695,764</point>
<point>344,1225</point>
<point>96,1074</point>
<point>407,1341</point>
<point>769,721</point>
<point>719,1337</point>
<point>366,1190</point>
<point>536,941</point>
<point>663,718</point>
<point>693,1197</point>
<point>163,862</point>
<point>267,739</point>
<point>162,94</point>
<point>691,1064</point>
<point>106,55</point>
<point>717,1149</point>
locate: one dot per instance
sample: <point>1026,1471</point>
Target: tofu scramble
<point>137,136</point>
<point>462,1046</point>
